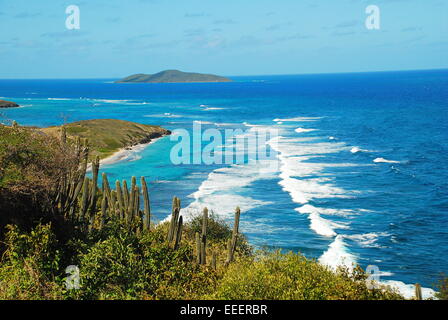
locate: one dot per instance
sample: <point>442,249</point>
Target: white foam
<point>357,149</point>
<point>213,108</point>
<point>298,119</point>
<point>338,255</point>
<point>307,208</point>
<point>303,130</point>
<point>112,101</point>
<point>323,226</point>
<point>408,290</point>
<point>367,240</point>
<point>382,160</point>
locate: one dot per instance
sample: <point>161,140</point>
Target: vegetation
<point>173,76</point>
<point>106,136</point>
<point>108,234</point>
<point>442,287</point>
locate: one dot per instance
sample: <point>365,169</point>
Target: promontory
<point>107,136</point>
<point>8,104</point>
<point>173,76</point>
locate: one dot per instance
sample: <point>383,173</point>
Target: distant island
<point>8,104</point>
<point>172,76</point>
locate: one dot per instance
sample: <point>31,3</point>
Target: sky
<point>232,37</point>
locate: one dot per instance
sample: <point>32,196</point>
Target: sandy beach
<point>125,154</point>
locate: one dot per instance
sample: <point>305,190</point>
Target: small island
<point>8,104</point>
<point>107,137</point>
<point>172,76</point>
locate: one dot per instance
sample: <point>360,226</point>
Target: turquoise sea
<point>362,159</point>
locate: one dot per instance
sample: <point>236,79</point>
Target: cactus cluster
<point>201,241</point>
<point>80,199</point>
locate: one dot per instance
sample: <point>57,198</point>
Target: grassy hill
<point>107,136</point>
<point>172,76</point>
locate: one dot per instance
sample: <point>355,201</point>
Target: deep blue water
<point>363,180</point>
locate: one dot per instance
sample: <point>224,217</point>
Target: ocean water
<point>362,159</point>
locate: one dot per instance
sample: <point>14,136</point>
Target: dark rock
<point>8,104</point>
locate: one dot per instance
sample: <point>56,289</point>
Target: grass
<point>107,136</point>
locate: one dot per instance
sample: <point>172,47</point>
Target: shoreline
<point>124,153</point>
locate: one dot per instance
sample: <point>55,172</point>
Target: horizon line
<point>248,75</point>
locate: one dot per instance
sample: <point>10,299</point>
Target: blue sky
<point>231,37</point>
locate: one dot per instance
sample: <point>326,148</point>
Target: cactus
<point>229,251</point>
<point>93,191</point>
<point>214,258</point>
<point>125,194</point>
<point>137,202</point>
<point>174,219</point>
<point>103,212</point>
<point>84,199</point>
<point>418,292</point>
<point>173,225</point>
<point>198,248</point>
<point>63,135</point>
<point>147,209</point>
<point>121,207</point>
<point>106,189</point>
<point>178,233</point>
<point>231,248</point>
<point>204,237</point>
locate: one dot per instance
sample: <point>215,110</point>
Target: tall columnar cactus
<point>418,292</point>
<point>106,190</point>
<point>174,219</point>
<point>103,212</point>
<point>233,242</point>
<point>125,194</point>
<point>147,208</point>
<point>173,225</point>
<point>84,199</point>
<point>198,247</point>
<point>178,233</point>
<point>214,258</point>
<point>121,206</point>
<point>93,191</point>
<point>136,212</point>
<point>204,237</point>
<point>63,135</point>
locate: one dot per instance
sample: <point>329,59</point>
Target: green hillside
<point>107,136</point>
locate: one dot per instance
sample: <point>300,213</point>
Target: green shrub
<point>30,265</point>
<point>442,288</point>
<point>291,276</point>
